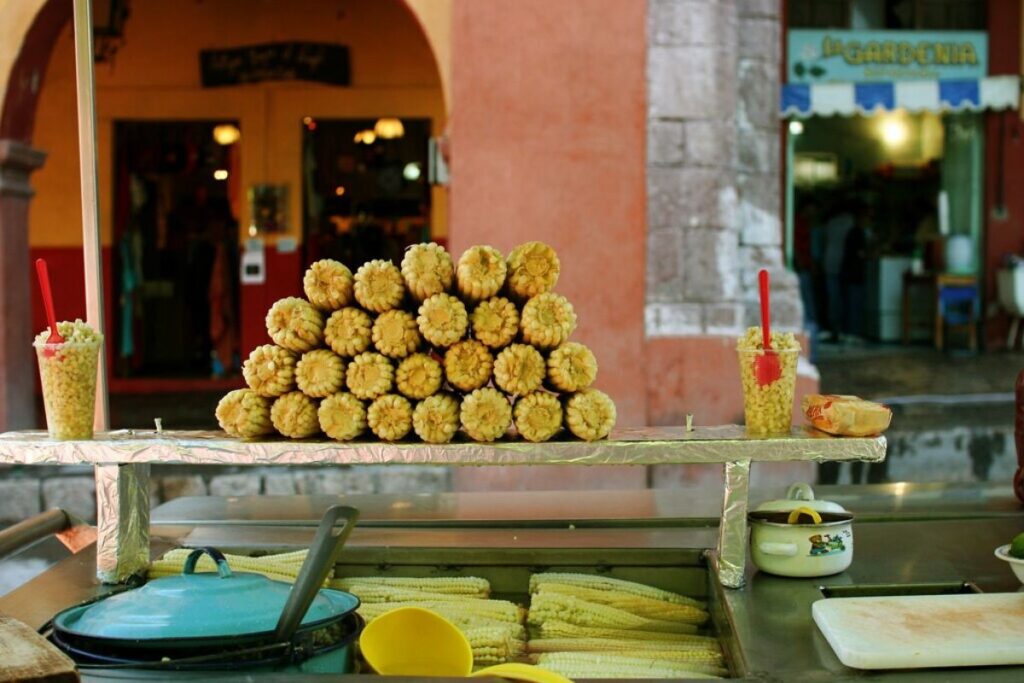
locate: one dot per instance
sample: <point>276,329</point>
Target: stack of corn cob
<point>585,626</point>
<point>494,628</point>
<point>426,350</point>
<point>283,567</point>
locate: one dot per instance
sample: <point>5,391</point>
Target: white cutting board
<point>923,631</point>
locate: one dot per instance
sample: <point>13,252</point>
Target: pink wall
<point>548,142</point>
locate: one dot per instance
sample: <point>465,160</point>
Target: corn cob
<point>369,375</point>
<point>294,324</point>
<point>490,611</point>
<point>706,648</point>
<point>469,586</point>
<point>547,320</point>
<point>538,416</point>
<point>427,270</point>
<point>328,284</point>
<point>544,606</point>
<point>468,365</point>
<point>390,417</point>
<point>495,322</point>
<point>419,376</point>
<point>590,414</point>
<point>395,335</point>
<point>649,608</point>
<point>371,593</point>
<point>342,416</point>
<point>243,414</point>
<point>436,418</point>
<point>571,367</point>
<point>480,273</point>
<point>519,370</point>
<point>270,370</point>
<point>556,628</point>
<point>295,415</point>
<point>611,583</point>
<point>493,644</point>
<point>594,665</point>
<point>485,414</point>
<point>272,566</point>
<point>442,320</point>
<point>379,286</point>
<point>320,373</point>
<point>533,269</point>
<point>348,331</point>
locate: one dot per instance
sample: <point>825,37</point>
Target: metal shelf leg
<point>732,529</point>
<point>122,521</point>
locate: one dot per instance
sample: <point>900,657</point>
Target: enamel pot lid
<point>798,496</point>
<point>199,605</point>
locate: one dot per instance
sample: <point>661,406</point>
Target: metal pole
<point>91,245</point>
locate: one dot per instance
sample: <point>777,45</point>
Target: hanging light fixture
<point>226,134</point>
<point>365,137</point>
<point>389,128</point>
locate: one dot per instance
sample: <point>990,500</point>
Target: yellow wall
<point>156,76</point>
<point>15,19</point>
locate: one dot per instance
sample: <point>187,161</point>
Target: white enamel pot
<point>801,542</point>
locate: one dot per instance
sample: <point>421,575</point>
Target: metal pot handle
<point>800,491</point>
<point>217,556</point>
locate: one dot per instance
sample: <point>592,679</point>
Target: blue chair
<point>958,302</point>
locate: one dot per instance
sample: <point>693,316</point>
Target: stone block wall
<point>713,168</point>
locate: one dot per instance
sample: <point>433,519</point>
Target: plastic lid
<point>199,605</point>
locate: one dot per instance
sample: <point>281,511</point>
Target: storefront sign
<point>833,56</point>
<point>318,62</point>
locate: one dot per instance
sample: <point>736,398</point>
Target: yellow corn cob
<point>370,593</point>
<point>342,416</point>
<point>558,628</point>
<point>295,325</point>
<point>590,414</point>
<point>348,331</point>
<point>493,644</point>
<point>390,417</point>
<point>500,611</point>
<point>442,320</point>
<point>271,566</point>
<point>705,649</point>
<point>328,284</point>
<point>394,334</point>
<point>295,415</point>
<point>270,370</point>
<point>480,273</point>
<point>436,418</point>
<point>485,414</point>
<point>244,414</point>
<point>594,665</point>
<point>649,608</point>
<point>427,270</point>
<point>469,586</point>
<point>519,370</point>
<point>533,268</point>
<point>610,583</point>
<point>379,286</point>
<point>546,605</point>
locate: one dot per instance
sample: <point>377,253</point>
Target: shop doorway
<point>885,209</point>
<point>175,249</point>
<point>365,189</point>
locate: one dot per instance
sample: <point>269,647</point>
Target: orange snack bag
<point>846,415</point>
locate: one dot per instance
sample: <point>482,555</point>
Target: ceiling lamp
<point>389,128</point>
<point>226,134</point>
<point>365,137</point>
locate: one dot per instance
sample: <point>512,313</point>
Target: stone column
<point>17,406</point>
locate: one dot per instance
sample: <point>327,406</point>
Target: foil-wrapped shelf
<point>628,446</point>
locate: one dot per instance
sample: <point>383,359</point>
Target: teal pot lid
<point>201,605</point>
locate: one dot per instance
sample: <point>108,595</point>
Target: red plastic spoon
<point>767,368</point>
<point>44,285</point>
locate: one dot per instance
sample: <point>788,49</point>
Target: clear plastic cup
<point>68,375</point>
<point>768,409</point>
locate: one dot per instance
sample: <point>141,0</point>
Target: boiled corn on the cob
<point>500,611</point>
<point>594,665</point>
<point>545,605</point>
<point>702,647</point>
<point>469,586</point>
<point>612,584</point>
<point>278,567</point>
<point>558,628</point>
<point>649,608</point>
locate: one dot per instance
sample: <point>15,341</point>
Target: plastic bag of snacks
<point>768,408</point>
<point>68,375</point>
<point>846,415</point>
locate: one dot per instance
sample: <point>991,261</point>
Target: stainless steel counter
<point>905,535</point>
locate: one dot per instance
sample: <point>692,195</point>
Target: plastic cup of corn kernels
<point>768,409</point>
<point>68,375</point>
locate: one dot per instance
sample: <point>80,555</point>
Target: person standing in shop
<point>834,235</point>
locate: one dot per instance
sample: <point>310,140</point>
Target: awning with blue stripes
<point>802,100</point>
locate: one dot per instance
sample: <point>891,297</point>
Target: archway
<point>38,110</point>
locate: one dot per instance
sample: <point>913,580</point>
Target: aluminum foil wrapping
<point>641,446</point>
<point>732,529</point>
<point>122,521</point>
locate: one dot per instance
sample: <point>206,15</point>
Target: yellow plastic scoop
<point>412,641</point>
<point>521,672</point>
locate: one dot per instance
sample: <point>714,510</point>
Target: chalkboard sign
<point>317,62</point>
